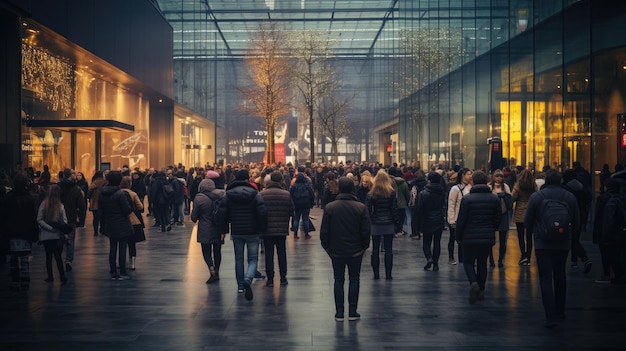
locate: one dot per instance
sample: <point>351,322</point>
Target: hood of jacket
<point>574,185</point>
<point>434,187</point>
<point>399,180</point>
<point>241,191</point>
<point>300,178</point>
<point>109,190</point>
<point>206,185</point>
<point>66,184</point>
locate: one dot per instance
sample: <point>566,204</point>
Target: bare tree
<point>314,76</point>
<point>333,118</point>
<point>269,70</point>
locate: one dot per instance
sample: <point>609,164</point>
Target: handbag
<point>62,227</point>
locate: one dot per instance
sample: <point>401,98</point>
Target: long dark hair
<point>52,204</point>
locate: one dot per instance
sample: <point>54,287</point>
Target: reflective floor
<point>167,305</point>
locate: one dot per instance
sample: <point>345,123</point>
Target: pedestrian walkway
<point>167,305</point>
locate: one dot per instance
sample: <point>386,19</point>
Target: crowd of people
<point>362,204</point>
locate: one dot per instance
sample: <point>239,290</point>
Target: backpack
<point>168,192</point>
<point>554,221</point>
<point>216,202</point>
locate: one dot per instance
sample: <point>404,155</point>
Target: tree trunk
<point>335,151</point>
<point>271,156</point>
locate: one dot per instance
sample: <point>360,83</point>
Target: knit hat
<point>434,178</point>
<point>212,174</point>
<point>243,174</point>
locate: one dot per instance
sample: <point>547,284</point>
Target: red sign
<point>280,153</point>
<point>389,147</point>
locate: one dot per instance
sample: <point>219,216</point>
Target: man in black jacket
<point>73,200</point>
<point>243,207</point>
<point>551,255</point>
<point>479,217</point>
<point>345,235</point>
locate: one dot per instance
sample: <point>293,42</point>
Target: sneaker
<point>68,266</point>
<point>452,261</point>
<point>588,265</point>
<point>527,263</point>
<point>307,237</point>
<point>258,275</point>
<point>284,281</point>
<point>354,317</point>
<point>522,261</point>
<point>115,277</point>
<point>169,228</point>
<point>339,317</point>
<point>123,277</point>
<point>241,290</point>
<point>180,225</point>
<point>481,295</point>
<point>295,237</point>
<point>474,292</point>
<point>248,290</point>
<point>269,283</point>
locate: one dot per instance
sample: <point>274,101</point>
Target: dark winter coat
<point>18,215</point>
<point>115,206</point>
<point>202,212</point>
<point>139,187</point>
<point>551,191</point>
<point>382,210</point>
<point>73,200</point>
<point>479,217</point>
<point>302,193</point>
<point>430,202</point>
<point>345,229</point>
<point>280,207</point>
<point>244,208</point>
<point>156,189</point>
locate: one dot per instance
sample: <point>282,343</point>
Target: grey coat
<point>208,232</point>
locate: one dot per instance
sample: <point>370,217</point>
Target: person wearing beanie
<point>345,235</point>
<point>244,209</point>
<point>210,234</point>
<point>430,202</point>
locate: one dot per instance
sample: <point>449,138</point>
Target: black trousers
<point>475,263</point>
<point>552,280</point>
<point>277,242</point>
<point>354,274</point>
<point>212,254</point>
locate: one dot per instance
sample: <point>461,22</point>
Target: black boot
<point>388,266</point>
<point>352,313</point>
<point>376,266</point>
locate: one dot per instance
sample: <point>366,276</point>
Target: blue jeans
<point>178,214</point>
<point>304,213</point>
<point>252,243</point>
<point>69,246</point>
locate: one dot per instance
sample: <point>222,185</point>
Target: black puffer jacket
<point>533,215</point>
<point>346,228</point>
<point>430,203</point>
<point>479,217</point>
<point>115,205</point>
<point>244,208</point>
<point>72,199</point>
<point>302,193</point>
<point>279,208</point>
<point>382,210</point>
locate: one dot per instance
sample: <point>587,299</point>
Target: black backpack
<point>167,191</point>
<point>554,220</point>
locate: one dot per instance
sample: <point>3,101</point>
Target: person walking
<point>50,215</point>
<point>503,191</point>
<point>280,207</point>
<point>210,234</point>
<point>430,219</point>
<point>160,202</point>
<point>81,181</point>
<point>18,215</point>
<point>345,235</point>
<point>74,204</point>
<point>522,191</point>
<point>479,217</point>
<point>97,183</point>
<point>303,198</point>
<point>572,184</point>
<point>115,208</point>
<point>456,193</point>
<point>136,221</point>
<point>382,206</point>
<point>544,209</point>
<point>244,209</point>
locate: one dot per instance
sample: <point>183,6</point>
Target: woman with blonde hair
<point>522,190</point>
<point>364,186</point>
<point>135,220</point>
<point>52,213</point>
<point>382,205</point>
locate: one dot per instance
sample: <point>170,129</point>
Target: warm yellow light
<point>160,101</point>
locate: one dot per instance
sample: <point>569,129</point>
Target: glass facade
<point>75,111</point>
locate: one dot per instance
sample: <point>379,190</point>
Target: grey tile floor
<point>167,305</point>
